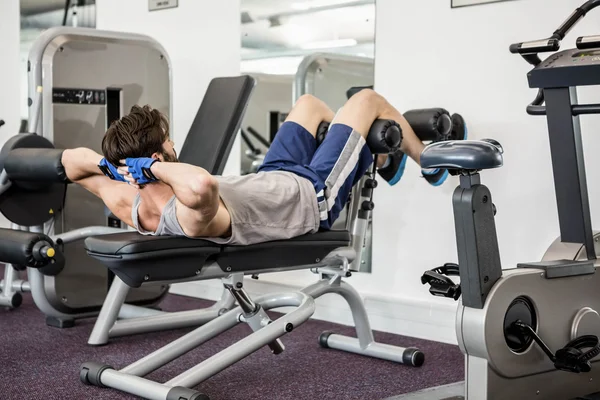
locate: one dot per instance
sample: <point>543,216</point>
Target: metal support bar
<point>141,387</point>
<point>243,348</point>
<point>18,285</point>
<point>352,297</point>
<point>86,232</point>
<point>184,344</point>
<point>136,320</point>
<point>164,321</point>
<point>129,311</point>
<point>109,312</point>
<point>476,240</point>
<point>569,169</point>
<point>376,350</point>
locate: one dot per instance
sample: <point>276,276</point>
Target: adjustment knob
<point>370,183</point>
<point>368,205</point>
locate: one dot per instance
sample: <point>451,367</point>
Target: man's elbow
<point>69,162</point>
<point>205,186</point>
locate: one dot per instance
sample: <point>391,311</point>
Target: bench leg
<point>109,312</point>
<point>135,320</point>
<point>130,379</point>
<point>364,343</point>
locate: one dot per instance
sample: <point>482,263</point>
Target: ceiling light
<point>329,44</point>
<point>307,5</point>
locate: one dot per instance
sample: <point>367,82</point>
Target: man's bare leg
<point>309,112</point>
<point>362,109</point>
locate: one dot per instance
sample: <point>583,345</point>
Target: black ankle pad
<point>430,124</point>
<point>353,90</point>
<point>459,128</point>
<point>322,132</point>
<point>385,136</point>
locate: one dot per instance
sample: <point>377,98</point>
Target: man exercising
<point>299,189</point>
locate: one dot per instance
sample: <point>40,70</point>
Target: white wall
<point>428,55</point>
<point>202,39</point>
<point>9,69</point>
<point>9,74</point>
<point>459,59</point>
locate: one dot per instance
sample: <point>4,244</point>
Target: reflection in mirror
<point>39,15</point>
<point>295,47</point>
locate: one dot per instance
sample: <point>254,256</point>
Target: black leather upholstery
<point>119,244</point>
<point>213,131</point>
<point>470,155</point>
<point>136,258</point>
<point>302,250</point>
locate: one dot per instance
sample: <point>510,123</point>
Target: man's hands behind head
<point>110,171</point>
<point>137,171</point>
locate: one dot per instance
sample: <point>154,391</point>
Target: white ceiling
<point>289,27</point>
<point>278,28</point>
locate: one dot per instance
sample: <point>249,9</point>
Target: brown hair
<point>141,133</point>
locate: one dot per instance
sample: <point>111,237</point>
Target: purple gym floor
<point>39,362</point>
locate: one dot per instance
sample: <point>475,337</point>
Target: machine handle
<point>588,42</point>
<point>579,109</point>
<point>535,46</point>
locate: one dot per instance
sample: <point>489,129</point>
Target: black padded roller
<point>430,124</point>
<point>26,248</point>
<point>322,132</point>
<point>28,167</point>
<point>385,136</point>
<point>30,203</point>
<point>23,140</point>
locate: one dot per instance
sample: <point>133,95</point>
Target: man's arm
<point>81,167</point>
<point>81,163</point>
<point>194,188</point>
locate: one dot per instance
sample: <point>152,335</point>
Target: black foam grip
<point>35,165</point>
<point>19,247</point>
<point>353,90</point>
<point>430,124</point>
<point>385,136</point>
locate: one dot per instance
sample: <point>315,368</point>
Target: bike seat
<point>470,155</point>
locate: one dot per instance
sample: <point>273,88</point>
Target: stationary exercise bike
<point>530,332</point>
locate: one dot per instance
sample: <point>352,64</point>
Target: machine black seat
<point>118,244</point>
<point>302,250</point>
<point>472,155</point>
<point>137,258</point>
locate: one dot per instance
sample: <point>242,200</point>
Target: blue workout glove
<point>110,170</point>
<point>139,168</point>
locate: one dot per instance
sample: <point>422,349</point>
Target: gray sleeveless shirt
<point>265,206</point>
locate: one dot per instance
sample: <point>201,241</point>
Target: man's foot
<point>438,176</point>
<point>393,169</point>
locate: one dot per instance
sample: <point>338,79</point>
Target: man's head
<point>144,132</point>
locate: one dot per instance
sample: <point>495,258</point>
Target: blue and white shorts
<point>334,167</point>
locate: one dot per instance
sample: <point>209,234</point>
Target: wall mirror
<point>293,47</point>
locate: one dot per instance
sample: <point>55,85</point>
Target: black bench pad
<point>137,258</point>
<point>301,250</point>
